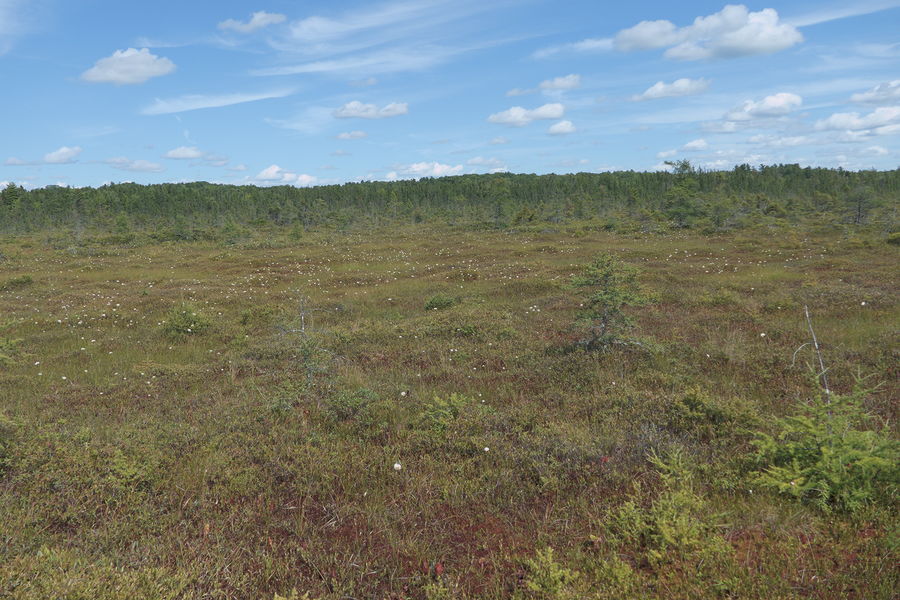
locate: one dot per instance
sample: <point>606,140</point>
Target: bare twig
<point>794,358</point>
<point>823,371</point>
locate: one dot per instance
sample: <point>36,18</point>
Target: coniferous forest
<point>685,198</point>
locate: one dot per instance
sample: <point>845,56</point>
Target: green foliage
<point>547,579</point>
<point>677,524</point>
<point>186,319</point>
<point>9,350</point>
<point>440,413</point>
<point>824,457</point>
<point>349,406</point>
<point>440,302</point>
<point>703,417</point>
<point>53,572</point>
<point>893,239</point>
<point>8,429</point>
<point>294,595</point>
<point>622,201</point>
<point>437,590</point>
<point>16,283</point>
<point>607,286</point>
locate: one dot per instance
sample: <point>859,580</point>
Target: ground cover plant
<point>406,413</point>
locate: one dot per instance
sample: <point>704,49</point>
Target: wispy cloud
<point>842,11</point>
<point>382,38</point>
<point>12,23</point>
<point>257,21</point>
<point>140,166</point>
<point>199,101</point>
<point>588,45</point>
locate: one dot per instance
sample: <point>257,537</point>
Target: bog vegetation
<point>485,387</point>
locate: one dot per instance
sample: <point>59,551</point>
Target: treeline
<point>685,198</point>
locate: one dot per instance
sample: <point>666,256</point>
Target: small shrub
<point>16,283</point>
<point>7,432</point>
<point>186,319</point>
<point>294,595</point>
<point>441,412</point>
<point>259,316</point>
<point>547,579</point>
<point>608,286</point>
<point>893,239</point>
<point>678,522</point>
<point>440,302</point>
<point>348,406</point>
<point>822,456</point>
<point>8,350</point>
<point>697,414</point>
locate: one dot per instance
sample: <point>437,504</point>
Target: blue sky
<point>303,93</point>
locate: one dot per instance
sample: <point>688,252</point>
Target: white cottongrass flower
<point>397,466</point>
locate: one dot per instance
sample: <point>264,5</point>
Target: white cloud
<point>551,87</point>
<point>771,106</point>
<point>588,45</point>
<point>184,153</point>
<point>197,101</point>
<point>358,110</point>
<point>127,67</point>
<point>719,126</point>
<point>64,155</point>
<point>775,141</point>
<point>734,31</point>
<point>258,20</point>
<point>666,154</point>
<point>275,174</point>
<point>238,168</point>
<point>428,169</point>
<point>14,161</point>
<point>562,128</point>
<point>126,164</point>
<point>679,87</point>
<point>352,135</point>
<point>567,82</point>
<point>493,164</point>
<point>696,145</point>
<point>499,140</point>
<point>519,117</point>
<point>876,151</point>
<point>883,93</point>
<point>877,119</point>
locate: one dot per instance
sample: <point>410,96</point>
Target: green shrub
<point>7,432</point>
<point>186,319</point>
<point>607,287</point>
<point>440,302</point>
<point>547,579</point>
<point>678,523</point>
<point>294,595</point>
<point>55,572</point>
<point>348,406</point>
<point>9,349</point>
<point>16,283</point>
<point>697,414</point>
<point>822,455</point>
<point>441,412</point>
<point>894,239</point>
